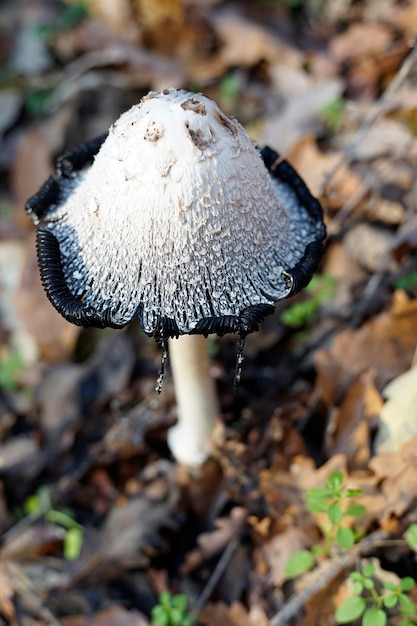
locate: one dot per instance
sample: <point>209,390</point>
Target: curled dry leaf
<point>390,491</point>
<point>349,430</point>
<point>247,43</point>
<point>388,341</point>
<point>213,542</point>
<point>398,416</point>
<point>278,550</point>
<point>113,615</point>
<point>370,246</point>
<point>7,609</point>
<point>234,615</point>
<point>294,122</point>
<point>314,166</point>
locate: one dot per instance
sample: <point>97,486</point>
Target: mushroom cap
<point>177,218</point>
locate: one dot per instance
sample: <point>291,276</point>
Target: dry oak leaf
<point>314,166</point>
<point>113,615</point>
<point>360,40</point>
<point>246,43</point>
<point>219,614</point>
<point>214,541</point>
<point>7,609</point>
<point>348,432</point>
<point>386,343</point>
<point>398,416</point>
<point>398,489</point>
<point>278,550</point>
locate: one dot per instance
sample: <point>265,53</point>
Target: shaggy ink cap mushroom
<point>176,218</point>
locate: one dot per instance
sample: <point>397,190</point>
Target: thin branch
<point>214,579</point>
<point>341,563</point>
<point>373,115</point>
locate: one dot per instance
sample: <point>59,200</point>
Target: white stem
<point>197,405</point>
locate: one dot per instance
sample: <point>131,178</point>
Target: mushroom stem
<point>197,405</point>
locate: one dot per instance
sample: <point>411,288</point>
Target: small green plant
<point>229,89</point>
<point>171,610</point>
<point>319,291</point>
<point>10,366</point>
<point>332,113</point>
<point>406,282</point>
<point>41,503</point>
<point>70,16</point>
<point>332,500</point>
<point>371,605</point>
<point>411,536</point>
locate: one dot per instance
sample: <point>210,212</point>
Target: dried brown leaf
<point>246,43</point>
<point>370,246</point>
<point>398,416</point>
<point>216,614</point>
<point>349,430</point>
<point>278,550</point>
<point>361,39</point>
<point>113,615</point>
<point>212,542</point>
<point>31,167</point>
<point>386,342</point>
<point>6,598</point>
<point>313,165</point>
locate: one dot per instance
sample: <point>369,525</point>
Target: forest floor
<point>96,518</point>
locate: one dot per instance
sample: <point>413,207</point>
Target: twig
<point>297,601</point>
<point>23,587</point>
<point>214,579</point>
<point>336,223</point>
<point>372,116</point>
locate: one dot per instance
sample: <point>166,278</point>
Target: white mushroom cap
<point>177,219</point>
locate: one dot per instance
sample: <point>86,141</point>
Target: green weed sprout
<point>370,605</point>
<point>330,500</point>
<point>332,113</point>
<point>41,503</point>
<point>319,290</point>
<point>10,366</point>
<point>171,610</point>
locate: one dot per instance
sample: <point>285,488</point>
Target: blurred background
<point>82,433</point>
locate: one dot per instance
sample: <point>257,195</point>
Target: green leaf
<point>406,282</point>
<point>335,513</point>
<point>176,617</point>
<point>374,617</point>
<point>345,538</point>
<point>390,600</point>
<point>368,583</point>
<point>407,605</point>
<point>368,570</point>
<point>180,602</point>
<point>317,500</point>
<point>411,536</point>
<point>407,583</point>
<point>73,543</point>
<point>350,609</point>
<point>353,493</point>
<point>159,616</point>
<point>299,563</point>
<point>32,504</point>
<point>355,510</point>
<point>357,587</point>
<point>335,481</point>
<point>390,586</point>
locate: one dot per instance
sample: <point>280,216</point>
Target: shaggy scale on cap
<point>175,217</point>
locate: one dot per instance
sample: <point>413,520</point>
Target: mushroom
<point>175,217</point>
